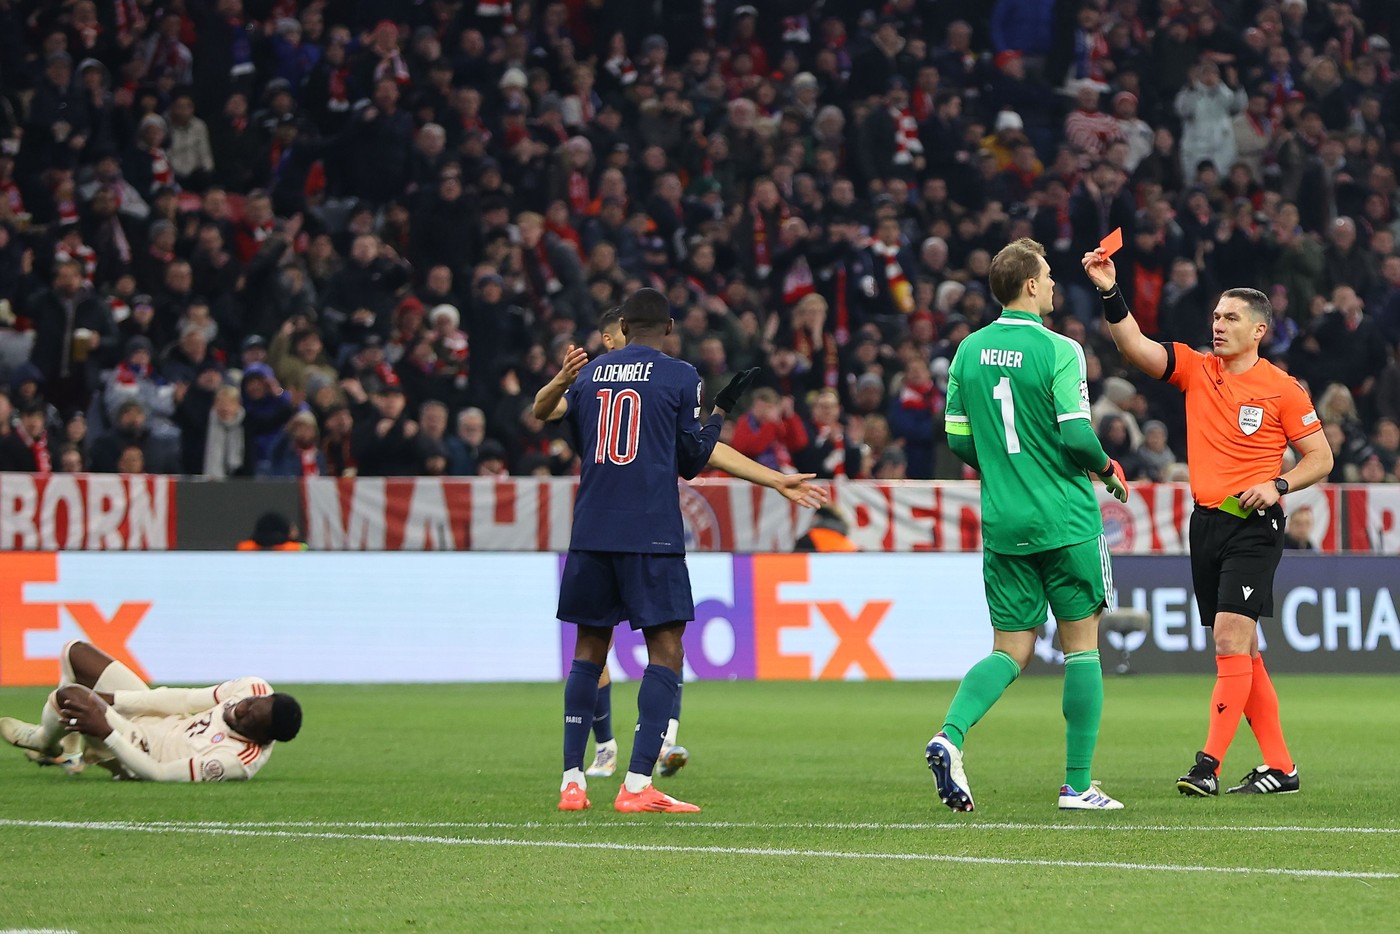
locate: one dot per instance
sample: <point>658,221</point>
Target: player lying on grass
<point>220,733</point>
<point>793,486</point>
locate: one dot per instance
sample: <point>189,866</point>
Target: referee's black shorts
<point>1233,561</point>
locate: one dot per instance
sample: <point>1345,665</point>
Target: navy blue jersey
<point>636,413</point>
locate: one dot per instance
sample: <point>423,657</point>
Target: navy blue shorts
<point>602,588</point>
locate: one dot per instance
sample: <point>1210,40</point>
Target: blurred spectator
<point>384,434</point>
<point>221,172</point>
<point>464,447</point>
<point>74,338</point>
<point>214,430</point>
<point>296,452</point>
<point>1154,457</point>
<point>770,433</point>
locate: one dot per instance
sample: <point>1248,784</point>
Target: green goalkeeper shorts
<point>1074,582</point>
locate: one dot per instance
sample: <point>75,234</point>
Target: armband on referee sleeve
<point>1115,309</point>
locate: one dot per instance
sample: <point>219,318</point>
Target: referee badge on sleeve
<point>1251,417</point>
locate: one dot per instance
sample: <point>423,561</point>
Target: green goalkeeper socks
<point>1083,707</point>
<point>981,687</point>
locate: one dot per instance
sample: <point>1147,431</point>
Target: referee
<point>1242,413</point>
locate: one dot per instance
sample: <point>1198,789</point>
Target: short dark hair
<point>646,308</point>
<point>609,318</point>
<point>1257,302</point>
<point>34,407</point>
<point>1016,262</point>
<point>285,722</point>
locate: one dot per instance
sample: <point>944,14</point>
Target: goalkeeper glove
<point>728,397</point>
<point>1115,480</point>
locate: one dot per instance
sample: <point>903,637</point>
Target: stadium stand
<point>217,215</point>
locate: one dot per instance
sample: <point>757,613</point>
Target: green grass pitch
<point>431,808</point>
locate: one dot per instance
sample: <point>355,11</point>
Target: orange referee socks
<point>1261,710</point>
<point>1233,677</point>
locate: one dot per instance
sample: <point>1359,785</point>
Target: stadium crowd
<point>283,238</point>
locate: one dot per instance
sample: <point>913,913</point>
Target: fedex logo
<point>792,635</point>
<point>19,617</point>
<point>754,619</point>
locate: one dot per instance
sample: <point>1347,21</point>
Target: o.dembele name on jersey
<point>628,373</point>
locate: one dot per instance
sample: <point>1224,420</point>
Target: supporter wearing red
<point>770,432</point>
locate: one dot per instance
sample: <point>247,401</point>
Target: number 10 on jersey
<point>613,407</point>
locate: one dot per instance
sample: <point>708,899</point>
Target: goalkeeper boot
<point>1263,780</point>
<point>671,760</point>
<point>26,736</point>
<point>1201,781</point>
<point>604,760</point>
<point>945,761</point>
<point>1095,799</point>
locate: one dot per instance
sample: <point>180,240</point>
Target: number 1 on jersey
<point>1002,393</point>
<point>613,407</point>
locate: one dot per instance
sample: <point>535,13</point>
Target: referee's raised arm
<point>1139,349</point>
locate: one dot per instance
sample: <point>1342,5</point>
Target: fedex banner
<point>535,514</point>
<point>191,618</point>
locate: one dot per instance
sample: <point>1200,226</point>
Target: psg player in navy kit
<point>636,414</point>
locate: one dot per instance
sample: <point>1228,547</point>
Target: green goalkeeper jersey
<point>1010,386</point>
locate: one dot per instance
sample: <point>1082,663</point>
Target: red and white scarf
<point>579,198</point>
<point>39,447</point>
<point>309,467</point>
<point>622,68</point>
<point>921,102</point>
<point>762,247</point>
<point>10,192</point>
<point>920,398</point>
<point>843,306</point>
<point>84,255</point>
<point>907,144</point>
<point>798,282</point>
<point>901,291</point>
<point>338,89</point>
<point>162,174</point>
<point>492,9</point>
<point>835,462</point>
<point>393,67</point>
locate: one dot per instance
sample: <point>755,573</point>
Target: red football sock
<point>1233,675</point>
<point>1261,710</point>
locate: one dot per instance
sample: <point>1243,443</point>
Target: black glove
<point>728,397</point>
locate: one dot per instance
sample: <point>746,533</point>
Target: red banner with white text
<point>86,512</point>
<point>534,514</point>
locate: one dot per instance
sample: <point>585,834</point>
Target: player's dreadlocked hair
<point>286,717</point>
<point>646,309</point>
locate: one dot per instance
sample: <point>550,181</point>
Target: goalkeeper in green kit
<point>1018,413</point>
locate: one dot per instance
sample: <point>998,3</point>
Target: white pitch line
<point>125,826</point>
<point>564,824</point>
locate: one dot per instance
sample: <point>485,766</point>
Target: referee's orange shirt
<point>1238,426</point>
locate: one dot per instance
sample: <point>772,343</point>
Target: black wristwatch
<point>1281,485</point>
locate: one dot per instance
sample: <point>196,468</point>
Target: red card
<point>1112,243</point>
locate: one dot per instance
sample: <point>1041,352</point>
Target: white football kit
<point>182,734</point>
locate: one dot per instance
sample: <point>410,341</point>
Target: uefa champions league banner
<point>535,514</point>
<point>1331,614</point>
<point>203,617</point>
